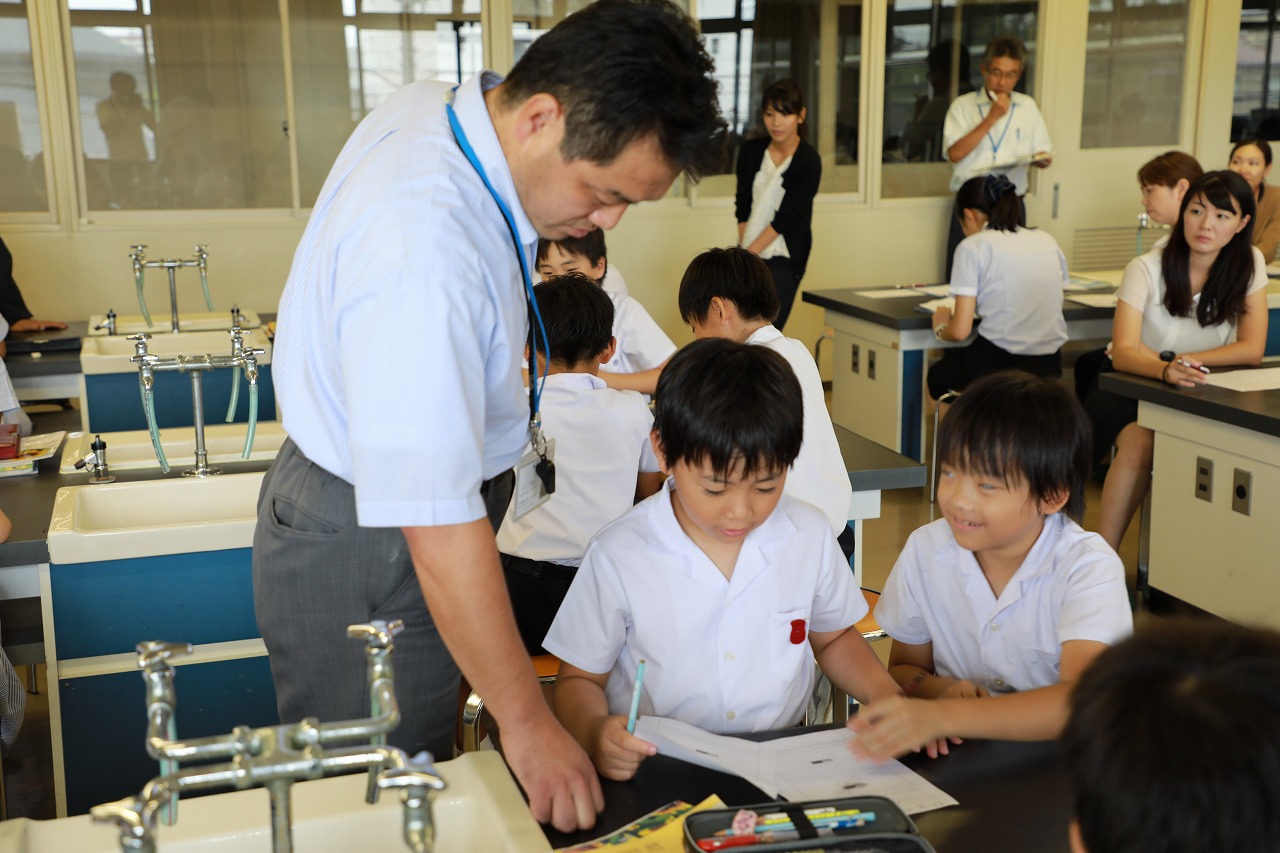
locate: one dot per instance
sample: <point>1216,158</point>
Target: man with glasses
<point>995,129</point>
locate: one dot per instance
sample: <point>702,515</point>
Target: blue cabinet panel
<point>109,607</point>
<point>114,401</point>
<point>104,722</point>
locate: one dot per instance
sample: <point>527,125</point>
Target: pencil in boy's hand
<point>635,698</point>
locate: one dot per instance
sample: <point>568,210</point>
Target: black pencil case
<point>891,831</point>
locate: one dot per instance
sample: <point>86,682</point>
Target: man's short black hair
<point>1173,743</point>
<point>733,274</point>
<point>625,70</point>
<point>589,246</point>
<point>728,403</point>
<point>577,315</point>
<point>1018,427</point>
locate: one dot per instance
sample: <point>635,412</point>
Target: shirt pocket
<point>1043,667</point>
<point>788,640</point>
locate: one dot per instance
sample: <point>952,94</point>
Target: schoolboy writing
<point>727,588</point>
<point>997,608</point>
<point>729,293</point>
<point>642,347</point>
<point>1173,745</point>
<point>603,457</point>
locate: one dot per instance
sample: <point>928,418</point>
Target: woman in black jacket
<point>775,192</point>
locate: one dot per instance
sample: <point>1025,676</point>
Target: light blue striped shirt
<point>403,322</point>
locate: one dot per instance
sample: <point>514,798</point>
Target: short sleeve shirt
<point>1021,132</point>
<point>642,345</point>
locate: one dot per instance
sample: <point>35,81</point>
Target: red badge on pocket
<point>797,631</point>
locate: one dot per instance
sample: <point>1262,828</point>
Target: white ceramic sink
<point>179,515</point>
<point>112,354</point>
<point>188,321</point>
<point>481,811</point>
<point>131,450</point>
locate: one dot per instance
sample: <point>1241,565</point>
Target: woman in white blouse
<point>1196,303</point>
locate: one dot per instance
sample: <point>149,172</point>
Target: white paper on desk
<point>936,289</point>
<point>932,305</point>
<point>1095,300</point>
<point>1083,284</point>
<point>692,744</point>
<point>891,292</point>
<point>819,766</point>
<point>1266,379</point>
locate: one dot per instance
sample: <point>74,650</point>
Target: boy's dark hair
<point>994,195</point>
<point>1014,426</point>
<point>577,315</point>
<point>727,403</point>
<point>1006,45</point>
<point>733,274</point>
<point>784,97</point>
<point>624,70</point>
<point>1169,168</point>
<point>589,246</point>
<point>1172,744</point>
<point>1223,298</point>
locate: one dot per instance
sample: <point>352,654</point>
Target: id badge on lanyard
<point>536,472</point>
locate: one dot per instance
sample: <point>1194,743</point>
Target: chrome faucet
<point>275,757</point>
<point>1146,223</point>
<point>241,358</point>
<point>138,255</point>
<point>108,323</point>
<point>96,461</point>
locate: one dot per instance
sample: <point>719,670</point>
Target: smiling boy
<point>726,588</point>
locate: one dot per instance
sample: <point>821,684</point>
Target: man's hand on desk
<point>556,774</point>
<point>897,725</point>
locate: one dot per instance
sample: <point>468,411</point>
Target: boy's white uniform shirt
<point>1070,587</point>
<point>1143,288</point>
<point>719,654</point>
<point>1017,278</point>
<point>602,441</point>
<point>819,474</point>
<point>642,345</point>
<point>613,281</point>
<point>1019,133</point>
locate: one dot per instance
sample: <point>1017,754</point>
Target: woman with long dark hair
<point>1199,302</point>
<point>778,177</point>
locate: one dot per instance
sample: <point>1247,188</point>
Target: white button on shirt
<point>404,318</point>
<point>644,590</point>
<point>1070,587</point>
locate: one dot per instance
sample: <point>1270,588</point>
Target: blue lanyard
<point>535,387</point>
<point>995,145</point>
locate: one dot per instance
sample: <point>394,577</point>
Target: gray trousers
<point>315,571</point>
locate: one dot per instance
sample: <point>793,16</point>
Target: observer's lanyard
<point>535,317</point>
<point>995,144</point>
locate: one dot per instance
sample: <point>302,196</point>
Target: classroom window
<point>754,44</point>
<point>21,142</point>
<point>933,50</point>
<point>1134,63</point>
<point>181,105</point>
<point>1256,109</point>
<point>348,59</point>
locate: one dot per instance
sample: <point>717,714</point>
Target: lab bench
<point>1215,497</point>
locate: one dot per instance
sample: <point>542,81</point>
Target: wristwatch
<point>1168,355</point>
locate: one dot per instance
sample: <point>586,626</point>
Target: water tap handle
<point>139,345</point>
<point>237,337</point>
<point>416,782</point>
<point>153,655</point>
<point>377,634</point>
<point>138,255</point>
<point>135,818</point>
<point>250,355</point>
<point>202,253</point>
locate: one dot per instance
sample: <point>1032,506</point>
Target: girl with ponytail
<point>1010,276</point>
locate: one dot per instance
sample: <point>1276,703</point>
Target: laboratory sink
<point>481,811</point>
<point>119,521</point>
<point>131,449</point>
<point>112,354</point>
<point>131,324</point>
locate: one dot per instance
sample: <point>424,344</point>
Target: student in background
<point>642,347</point>
<point>1251,160</point>
<point>1164,181</point>
<point>1172,744</point>
<point>602,454</point>
<point>1199,302</point>
<point>778,176</point>
<point>725,586</point>
<point>728,293</point>
<point>1010,276</point>
<point>994,125</point>
<point>997,608</point>
<point>12,307</point>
